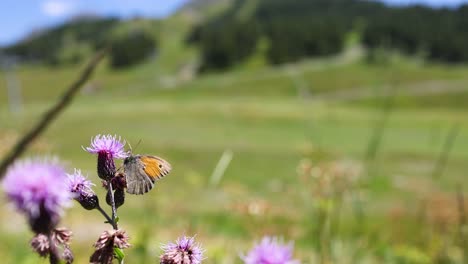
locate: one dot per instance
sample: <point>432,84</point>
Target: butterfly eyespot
<point>160,166</point>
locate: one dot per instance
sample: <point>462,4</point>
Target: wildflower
<point>60,237</point>
<point>118,185</point>
<point>107,148</point>
<point>184,251</point>
<point>106,243</point>
<point>37,189</point>
<point>80,188</point>
<point>270,251</point>
<point>67,255</point>
<point>40,244</point>
<point>119,198</point>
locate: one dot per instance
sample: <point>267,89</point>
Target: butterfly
<point>141,172</point>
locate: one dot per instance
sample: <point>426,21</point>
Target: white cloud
<point>57,8</point>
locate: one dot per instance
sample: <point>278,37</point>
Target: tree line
<point>296,29</point>
<point>75,40</point>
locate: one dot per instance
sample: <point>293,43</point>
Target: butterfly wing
<point>142,171</point>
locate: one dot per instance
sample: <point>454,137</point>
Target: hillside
<point>289,31</point>
<point>230,33</point>
<point>66,43</point>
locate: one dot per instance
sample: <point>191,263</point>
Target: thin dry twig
<point>51,114</point>
<point>442,160</point>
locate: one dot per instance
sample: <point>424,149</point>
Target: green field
<point>325,111</point>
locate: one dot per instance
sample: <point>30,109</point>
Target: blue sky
<point>19,17</point>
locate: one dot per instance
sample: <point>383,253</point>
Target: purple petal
<point>109,144</point>
<point>271,251</point>
<point>79,185</point>
<point>32,183</point>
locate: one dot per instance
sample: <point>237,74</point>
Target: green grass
<point>258,115</point>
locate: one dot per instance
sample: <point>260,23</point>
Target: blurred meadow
<point>356,160</point>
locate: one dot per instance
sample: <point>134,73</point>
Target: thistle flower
<point>105,246</point>
<point>183,251</point>
<point>271,251</point>
<point>107,147</point>
<point>119,198</point>
<point>60,236</point>
<point>80,188</point>
<point>118,185</point>
<point>37,188</point>
<point>67,255</point>
<point>40,244</point>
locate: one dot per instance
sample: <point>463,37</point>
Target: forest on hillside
<point>302,28</point>
<point>282,31</point>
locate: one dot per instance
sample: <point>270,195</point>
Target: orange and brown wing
<point>155,167</point>
<point>142,171</point>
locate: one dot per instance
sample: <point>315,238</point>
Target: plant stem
<point>109,220</point>
<point>114,209</point>
<point>379,129</point>
<point>445,152</point>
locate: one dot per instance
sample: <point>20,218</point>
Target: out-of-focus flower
<point>183,251</point>
<point>60,237</point>
<point>80,188</point>
<point>107,147</point>
<point>106,243</point>
<point>37,188</point>
<point>271,251</point>
<point>67,255</point>
<point>40,244</point>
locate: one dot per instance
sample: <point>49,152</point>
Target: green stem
<point>114,209</point>
<point>109,220</point>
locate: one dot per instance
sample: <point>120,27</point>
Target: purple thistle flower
<point>184,251</point>
<point>37,188</point>
<point>108,143</point>
<point>80,188</point>
<point>107,147</point>
<point>79,185</point>
<point>271,251</point>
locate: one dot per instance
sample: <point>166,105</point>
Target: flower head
<point>80,188</point>
<point>79,185</point>
<point>40,244</point>
<point>62,236</point>
<point>106,243</point>
<point>67,255</point>
<point>183,251</point>
<point>109,144</point>
<point>107,147</point>
<point>271,251</point>
<point>37,188</point>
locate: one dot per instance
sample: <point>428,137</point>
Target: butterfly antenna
<point>130,146</point>
<point>138,144</point>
